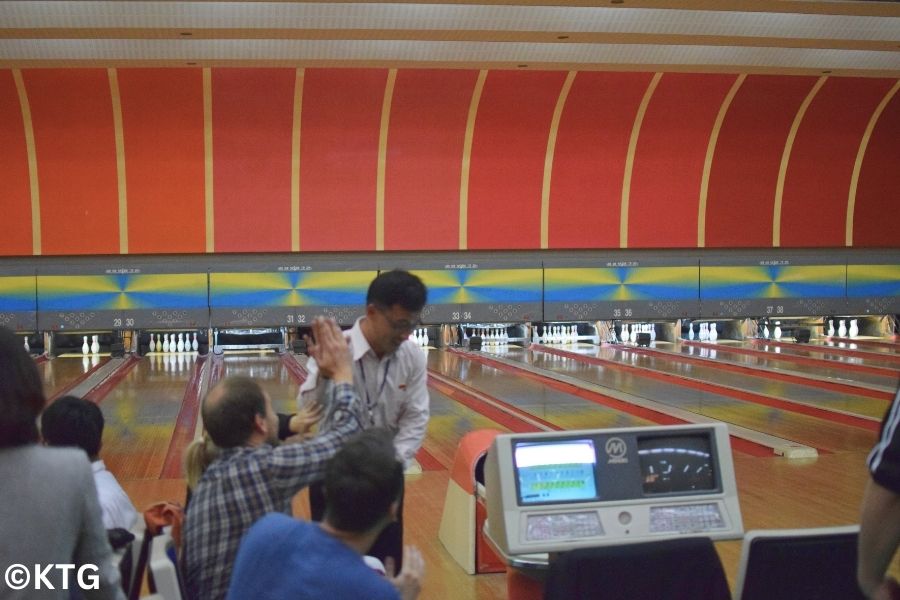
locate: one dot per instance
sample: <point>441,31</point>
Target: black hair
<point>230,419</point>
<point>71,421</point>
<point>397,287</point>
<point>21,393</point>
<point>362,481</point>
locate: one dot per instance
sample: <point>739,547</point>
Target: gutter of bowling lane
<point>829,414</point>
<point>188,420</point>
<point>723,365</point>
<point>85,382</point>
<point>743,439</point>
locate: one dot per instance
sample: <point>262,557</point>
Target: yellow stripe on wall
<point>295,161</point>
<point>860,154</point>
<point>120,159</point>
<point>208,159</point>
<point>382,157</point>
<point>629,159</point>
<point>785,157</point>
<point>467,160</point>
<point>32,163</point>
<point>548,158</point>
<point>707,163</point>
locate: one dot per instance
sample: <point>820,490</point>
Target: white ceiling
<point>790,36</point>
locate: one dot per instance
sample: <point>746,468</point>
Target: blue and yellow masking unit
<point>294,289</point>
<point>772,281</point>
<point>482,286</point>
<point>132,291</point>
<point>617,284</point>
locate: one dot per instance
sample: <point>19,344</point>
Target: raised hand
<point>330,350</point>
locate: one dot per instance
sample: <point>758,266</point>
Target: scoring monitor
<point>549,492</point>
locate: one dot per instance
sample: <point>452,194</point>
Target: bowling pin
<point>766,331</point>
<point>152,343</point>
<point>95,345</point>
<point>830,327</point>
<point>27,347</point>
<point>854,329</point>
<point>704,332</point>
<point>194,344</point>
<point>777,330</point>
<point>84,347</point>
<point>166,343</point>
<point>690,331</point>
<point>713,334</point>
<point>653,332</point>
<point>634,332</point>
<point>842,329</point>
<point>180,345</point>
<point>425,337</point>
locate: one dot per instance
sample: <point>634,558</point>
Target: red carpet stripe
<point>429,462</point>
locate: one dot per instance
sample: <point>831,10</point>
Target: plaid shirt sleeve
<point>294,466</point>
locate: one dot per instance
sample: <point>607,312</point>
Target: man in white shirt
<point>71,421</point>
<point>389,373</point>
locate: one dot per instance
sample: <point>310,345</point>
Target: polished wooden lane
<point>141,415</point>
<point>820,433</point>
<point>61,372</point>
<point>729,351</point>
<point>759,383</point>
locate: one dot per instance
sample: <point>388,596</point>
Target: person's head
<point>71,421</point>
<point>394,304</point>
<point>237,412</point>
<point>363,482</point>
<point>21,393</point>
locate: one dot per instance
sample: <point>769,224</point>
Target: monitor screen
<point>555,471</point>
<point>676,464</point>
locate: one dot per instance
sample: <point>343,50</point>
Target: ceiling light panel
<point>379,16</point>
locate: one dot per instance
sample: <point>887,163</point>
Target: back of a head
<point>397,287</point>
<point>230,410</point>
<point>362,481</point>
<point>21,393</point>
<point>71,421</point>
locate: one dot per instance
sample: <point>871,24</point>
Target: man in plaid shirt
<point>253,475</point>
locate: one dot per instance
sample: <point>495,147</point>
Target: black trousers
<point>388,543</point>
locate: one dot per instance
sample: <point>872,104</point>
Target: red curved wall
<point>341,115</point>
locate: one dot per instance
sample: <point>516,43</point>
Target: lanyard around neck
<point>371,402</point>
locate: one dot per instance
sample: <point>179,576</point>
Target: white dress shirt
<point>392,390</point>
<point>118,511</point>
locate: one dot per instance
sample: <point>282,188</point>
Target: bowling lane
<point>449,422</point>
<point>141,413</point>
<point>268,369</point>
<point>558,408</point>
<point>819,433</point>
<point>832,355</point>
<point>58,373</point>
<point>782,364</point>
<point>707,372</point>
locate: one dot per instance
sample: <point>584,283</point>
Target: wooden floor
<point>775,492</point>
